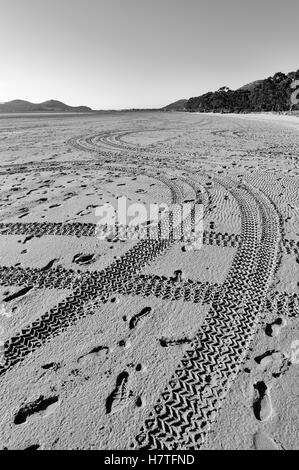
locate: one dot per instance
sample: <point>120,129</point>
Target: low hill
<point>22,106</point>
<point>176,106</point>
<point>251,86</point>
<point>272,94</point>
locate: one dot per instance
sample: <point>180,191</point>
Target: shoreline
<point>292,121</point>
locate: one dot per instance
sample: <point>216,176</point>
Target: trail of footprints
<point>268,366</point>
<point>120,397</point>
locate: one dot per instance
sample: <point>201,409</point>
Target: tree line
<point>271,94</point>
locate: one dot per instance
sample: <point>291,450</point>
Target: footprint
<point>125,343</point>
<point>136,318</point>
<point>32,447</point>
<point>120,396</point>
<point>164,342</point>
<point>49,265</point>
<point>99,352</point>
<point>23,215</point>
<point>266,358</point>
<point>18,294</point>
<point>262,441</point>
<point>178,276</point>
<point>41,407</point>
<point>52,365</point>
<point>262,405</point>
<point>140,402</point>
<point>273,329</point>
<point>80,258</point>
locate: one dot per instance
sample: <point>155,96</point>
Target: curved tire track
<point>189,404</point>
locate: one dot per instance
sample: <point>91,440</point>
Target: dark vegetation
<point>271,94</point>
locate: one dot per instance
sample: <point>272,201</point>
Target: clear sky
<point>141,53</point>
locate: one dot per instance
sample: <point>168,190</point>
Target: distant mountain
<point>21,106</point>
<point>272,94</point>
<point>176,106</point>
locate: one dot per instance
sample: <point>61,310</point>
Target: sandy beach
<point>146,344</point>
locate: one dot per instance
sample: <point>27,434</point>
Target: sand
<point>130,344</point>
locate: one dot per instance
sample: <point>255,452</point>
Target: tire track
<point>86,229</point>
<point>99,286</point>
<point>189,404</point>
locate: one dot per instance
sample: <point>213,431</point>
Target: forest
<point>272,94</point>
